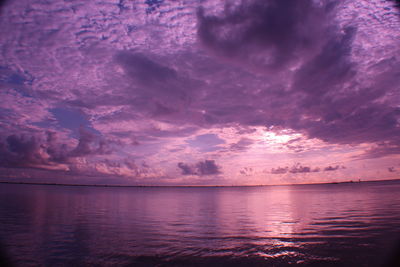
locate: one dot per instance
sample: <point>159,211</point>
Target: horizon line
<point>260,185</point>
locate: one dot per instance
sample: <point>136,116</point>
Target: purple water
<point>354,224</point>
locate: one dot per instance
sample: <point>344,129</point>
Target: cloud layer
<point>298,168</point>
<point>148,90</point>
<point>206,167</point>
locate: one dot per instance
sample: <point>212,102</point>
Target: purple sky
<point>157,92</point>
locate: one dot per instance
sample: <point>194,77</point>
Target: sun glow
<point>278,138</point>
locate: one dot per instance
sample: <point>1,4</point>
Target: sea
<point>345,224</point>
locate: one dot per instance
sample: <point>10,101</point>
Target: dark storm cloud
<point>397,3</point>
<point>154,79</point>
<point>18,151</point>
<point>2,3</point>
<point>157,88</point>
<point>18,80</point>
<point>265,33</point>
<point>135,169</point>
<point>298,168</point>
<point>201,168</point>
<point>352,117</point>
<point>241,145</point>
<point>383,149</point>
<point>329,68</point>
<point>279,170</point>
<point>331,168</point>
<point>247,171</point>
<point>88,144</point>
<point>208,167</point>
<point>187,169</point>
<point>145,70</point>
<point>153,5</point>
<point>325,99</point>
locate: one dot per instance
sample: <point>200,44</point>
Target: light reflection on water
<point>342,225</point>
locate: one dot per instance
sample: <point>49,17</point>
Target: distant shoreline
<point>191,186</point>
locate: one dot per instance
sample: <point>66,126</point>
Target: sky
<point>207,92</point>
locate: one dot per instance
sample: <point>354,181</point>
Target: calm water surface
<point>307,225</point>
